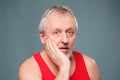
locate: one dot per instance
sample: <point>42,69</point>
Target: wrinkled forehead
<point>60,21</point>
<point>65,16</point>
<point>56,13</point>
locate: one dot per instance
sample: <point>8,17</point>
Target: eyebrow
<point>60,29</point>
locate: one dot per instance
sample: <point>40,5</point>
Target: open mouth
<point>64,49</point>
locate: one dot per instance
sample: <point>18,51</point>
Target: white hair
<point>55,9</point>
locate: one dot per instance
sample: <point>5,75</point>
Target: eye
<point>56,33</point>
<point>70,33</point>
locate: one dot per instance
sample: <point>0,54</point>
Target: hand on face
<point>58,57</point>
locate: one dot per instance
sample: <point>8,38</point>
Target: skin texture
<point>59,41</point>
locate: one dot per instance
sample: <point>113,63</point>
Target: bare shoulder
<point>29,70</point>
<point>92,68</point>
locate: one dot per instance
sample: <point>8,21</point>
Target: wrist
<point>65,69</point>
<point>65,64</point>
<point>64,73</point>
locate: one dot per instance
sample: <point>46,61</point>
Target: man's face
<point>61,29</point>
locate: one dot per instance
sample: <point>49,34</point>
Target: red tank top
<point>80,72</point>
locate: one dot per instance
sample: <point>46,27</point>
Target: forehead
<point>60,21</point>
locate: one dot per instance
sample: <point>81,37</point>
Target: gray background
<point>98,37</point>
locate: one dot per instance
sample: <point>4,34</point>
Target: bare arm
<point>29,71</point>
<point>92,68</point>
<point>60,59</point>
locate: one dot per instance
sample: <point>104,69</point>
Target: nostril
<point>65,40</point>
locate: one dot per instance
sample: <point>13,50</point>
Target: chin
<point>68,54</point>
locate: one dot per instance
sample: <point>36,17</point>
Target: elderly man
<point>58,60</point>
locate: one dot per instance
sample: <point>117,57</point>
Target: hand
<point>58,57</point>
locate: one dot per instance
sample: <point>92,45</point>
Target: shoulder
<point>92,68</point>
<point>29,70</point>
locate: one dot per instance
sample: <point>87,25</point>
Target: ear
<point>42,37</point>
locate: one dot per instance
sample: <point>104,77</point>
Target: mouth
<point>64,49</point>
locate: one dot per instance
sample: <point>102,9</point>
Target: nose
<point>64,38</point>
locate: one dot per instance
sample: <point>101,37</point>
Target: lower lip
<point>65,50</point>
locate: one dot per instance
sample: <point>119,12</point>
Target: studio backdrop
<point>98,35</point>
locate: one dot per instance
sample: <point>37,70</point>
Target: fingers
<point>53,48</point>
<point>49,48</point>
<point>55,54</point>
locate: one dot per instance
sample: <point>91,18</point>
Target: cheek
<point>72,43</point>
<point>55,39</point>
